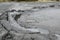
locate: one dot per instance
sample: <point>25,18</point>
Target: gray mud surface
<point>30,21</point>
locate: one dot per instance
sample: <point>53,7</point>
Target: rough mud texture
<point>29,21</point>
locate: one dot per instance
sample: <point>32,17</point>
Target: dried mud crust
<point>24,22</point>
<point>5,35</point>
<point>25,37</point>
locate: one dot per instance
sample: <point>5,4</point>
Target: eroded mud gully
<point>30,21</point>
